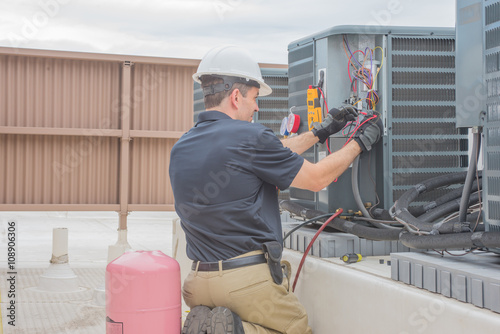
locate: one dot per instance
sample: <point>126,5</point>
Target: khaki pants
<point>264,306</point>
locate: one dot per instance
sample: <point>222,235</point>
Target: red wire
<point>327,145</point>
<point>356,129</point>
<point>326,104</point>
<point>358,126</point>
<point>335,215</point>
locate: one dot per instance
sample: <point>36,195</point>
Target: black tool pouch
<point>273,252</point>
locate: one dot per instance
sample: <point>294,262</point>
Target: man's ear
<point>235,98</point>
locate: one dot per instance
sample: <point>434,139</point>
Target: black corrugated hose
<point>402,213</point>
<point>362,231</point>
<point>447,208</point>
<point>471,174</point>
<point>442,241</point>
<point>452,241</point>
<point>417,211</point>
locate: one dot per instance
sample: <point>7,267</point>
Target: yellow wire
<point>382,62</point>
<point>364,98</point>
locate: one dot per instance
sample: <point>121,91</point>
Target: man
<point>225,172</point>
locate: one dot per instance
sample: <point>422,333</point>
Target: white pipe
<point>121,246</point>
<point>59,245</point>
<point>59,277</point>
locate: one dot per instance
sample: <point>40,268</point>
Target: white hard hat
<point>232,61</point>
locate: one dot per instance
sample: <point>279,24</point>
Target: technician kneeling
<point>225,172</point>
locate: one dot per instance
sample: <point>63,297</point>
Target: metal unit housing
<point>416,86</point>
<point>491,142</point>
<point>469,59</point>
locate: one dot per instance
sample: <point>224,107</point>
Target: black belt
<point>230,264</point>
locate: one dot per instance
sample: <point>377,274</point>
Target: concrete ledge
<point>362,298</point>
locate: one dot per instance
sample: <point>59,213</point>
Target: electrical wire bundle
<point>362,72</point>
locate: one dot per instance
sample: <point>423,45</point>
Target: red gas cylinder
<point>143,294</point>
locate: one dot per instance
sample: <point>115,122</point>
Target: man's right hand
<point>369,133</point>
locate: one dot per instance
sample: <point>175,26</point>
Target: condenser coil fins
<point>491,51</point>
<point>422,135</point>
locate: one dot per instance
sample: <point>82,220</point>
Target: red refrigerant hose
<point>335,215</point>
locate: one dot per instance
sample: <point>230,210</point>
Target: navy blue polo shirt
<point>224,174</point>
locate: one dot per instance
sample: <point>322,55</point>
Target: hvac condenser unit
<point>411,76</point>
<point>478,70</point>
<point>491,47</point>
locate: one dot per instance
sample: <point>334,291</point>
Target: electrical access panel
<point>404,74</point>
<point>469,63</point>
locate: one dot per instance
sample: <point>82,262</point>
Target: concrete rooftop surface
<point>89,236</point>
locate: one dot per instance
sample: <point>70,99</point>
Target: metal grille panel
<point>494,186</point>
<point>411,179</point>
<point>423,112</point>
<point>492,38</point>
<point>424,145</point>
<point>274,107</point>
<point>423,137</point>
<point>435,128</point>
<point>300,75</point>
<point>493,210</point>
<point>493,62</point>
<point>491,183</point>
<point>423,94</point>
<point>493,87</point>
<point>493,159</point>
<point>423,78</point>
<point>421,44</point>
<point>428,161</point>
<point>423,61</point>
<point>492,13</point>
<point>493,136</point>
<point>493,112</point>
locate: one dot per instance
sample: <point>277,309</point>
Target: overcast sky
<point>189,28</point>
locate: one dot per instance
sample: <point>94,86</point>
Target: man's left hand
<point>333,123</point>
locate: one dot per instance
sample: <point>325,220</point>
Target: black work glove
<point>369,133</point>
<point>333,123</point>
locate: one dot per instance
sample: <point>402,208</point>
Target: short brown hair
<point>214,100</point>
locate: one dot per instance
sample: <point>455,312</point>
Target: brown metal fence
<point>81,131</point>
<point>91,132</point>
